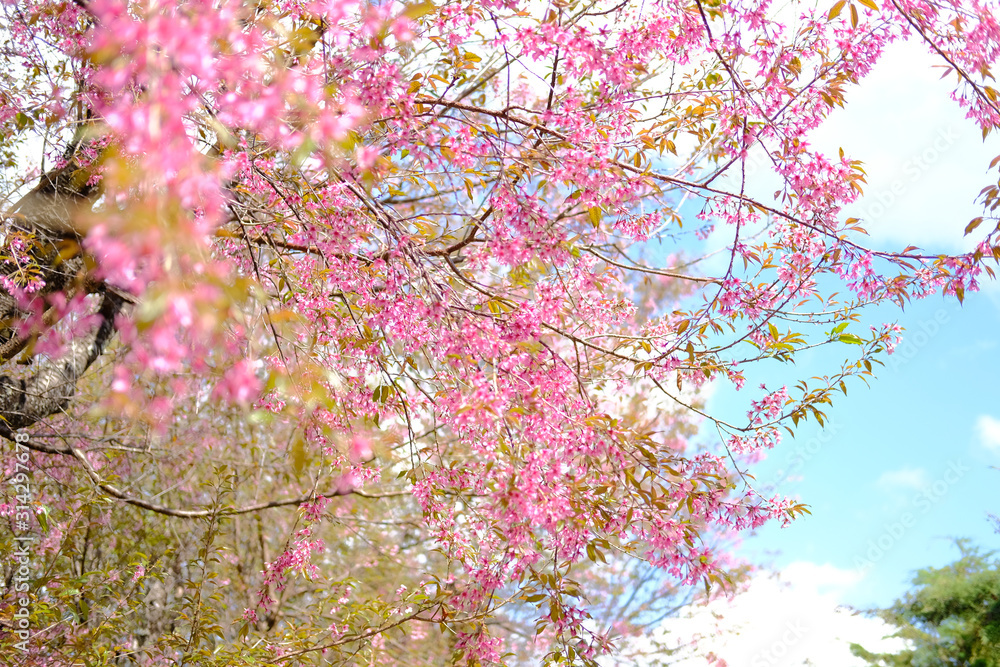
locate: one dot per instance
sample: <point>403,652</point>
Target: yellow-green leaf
<point>595,216</point>
<point>382,393</point>
<point>299,456</point>
<point>418,9</point>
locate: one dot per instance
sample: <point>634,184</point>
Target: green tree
<point>951,617</point>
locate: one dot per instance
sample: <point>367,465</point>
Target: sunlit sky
<point>906,465</point>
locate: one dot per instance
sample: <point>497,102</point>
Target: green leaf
<point>382,393</point>
<point>850,338</point>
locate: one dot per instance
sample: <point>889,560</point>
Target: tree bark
<point>31,393</point>
<point>50,385</point>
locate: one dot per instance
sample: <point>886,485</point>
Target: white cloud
<point>926,162</point>
<point>903,479</point>
<point>789,621</point>
<point>988,430</point>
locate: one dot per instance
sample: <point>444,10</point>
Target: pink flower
<point>360,449</point>
<point>365,157</point>
<point>402,29</point>
<point>239,384</point>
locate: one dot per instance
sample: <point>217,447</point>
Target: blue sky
<point>906,465</point>
<point>916,448</point>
